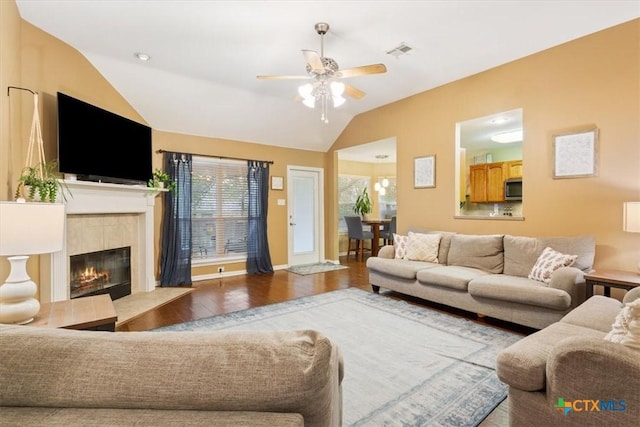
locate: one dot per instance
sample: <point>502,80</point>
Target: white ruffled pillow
<point>548,262</point>
<point>632,337</point>
<point>620,326</point>
<point>423,247</point>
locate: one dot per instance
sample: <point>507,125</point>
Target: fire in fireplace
<point>102,272</point>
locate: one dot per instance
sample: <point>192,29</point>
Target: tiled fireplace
<point>103,217</point>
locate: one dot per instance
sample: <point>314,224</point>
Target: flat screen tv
<point>98,145</point>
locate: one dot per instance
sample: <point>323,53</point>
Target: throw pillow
<point>632,337</point>
<point>400,245</point>
<point>620,326</point>
<point>548,262</point>
<point>423,247</point>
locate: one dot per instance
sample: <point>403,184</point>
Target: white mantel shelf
<point>95,198</point>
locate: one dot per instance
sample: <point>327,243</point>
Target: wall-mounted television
<point>98,145</point>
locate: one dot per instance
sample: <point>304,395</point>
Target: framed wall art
<point>575,155</point>
<point>277,183</point>
<point>424,172</point>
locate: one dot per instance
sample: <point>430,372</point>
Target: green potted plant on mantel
<point>160,179</point>
<point>39,183</point>
<point>363,205</point>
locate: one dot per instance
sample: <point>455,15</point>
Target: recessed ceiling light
<point>507,137</point>
<point>142,56</point>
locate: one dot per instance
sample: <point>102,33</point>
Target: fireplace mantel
<point>93,198</point>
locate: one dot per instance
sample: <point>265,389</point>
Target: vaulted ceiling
<point>205,55</point>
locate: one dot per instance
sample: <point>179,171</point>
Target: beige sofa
<point>487,274</point>
<point>571,363</point>
<point>57,377</point>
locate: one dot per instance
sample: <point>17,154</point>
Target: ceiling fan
<point>325,73</point>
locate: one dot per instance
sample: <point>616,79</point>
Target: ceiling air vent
<point>402,49</point>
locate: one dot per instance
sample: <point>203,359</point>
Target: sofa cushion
<point>477,251</point>
<point>401,268</point>
<point>523,364</point>
<point>520,254</point>
<point>449,276</point>
<point>519,290</point>
<point>598,312</point>
<point>583,246</point>
<point>423,247</point>
<point>549,261</point>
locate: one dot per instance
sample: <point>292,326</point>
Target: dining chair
<point>357,234</point>
<point>387,232</point>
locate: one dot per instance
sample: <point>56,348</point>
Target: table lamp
<point>26,229</point>
<point>631,218</point>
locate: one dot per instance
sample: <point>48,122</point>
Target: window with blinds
<point>219,208</point>
<point>349,187</point>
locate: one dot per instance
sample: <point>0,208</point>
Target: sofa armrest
<point>571,280</point>
<point>387,251</point>
<point>287,371</point>
<point>593,368</point>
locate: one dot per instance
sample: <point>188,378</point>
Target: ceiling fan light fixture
<point>337,88</point>
<point>338,101</point>
<point>305,90</point>
<point>309,101</point>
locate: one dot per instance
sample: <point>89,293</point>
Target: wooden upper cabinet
<point>495,182</point>
<point>478,183</point>
<point>513,169</point>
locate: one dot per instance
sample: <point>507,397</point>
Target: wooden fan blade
<point>353,92</point>
<point>363,70</point>
<point>314,61</point>
<point>283,77</point>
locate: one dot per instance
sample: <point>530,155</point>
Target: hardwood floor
<point>225,295</point>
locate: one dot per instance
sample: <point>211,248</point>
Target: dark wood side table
<point>94,313</point>
<point>611,279</point>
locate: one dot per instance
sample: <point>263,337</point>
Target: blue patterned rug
<point>404,365</point>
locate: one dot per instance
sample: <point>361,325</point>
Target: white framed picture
<point>277,183</point>
<point>424,172</point>
<point>575,155</point>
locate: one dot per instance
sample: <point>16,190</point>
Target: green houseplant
<point>39,183</point>
<point>363,205</point>
<point>160,179</point>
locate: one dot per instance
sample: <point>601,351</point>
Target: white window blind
<point>219,208</point>
<point>349,187</point>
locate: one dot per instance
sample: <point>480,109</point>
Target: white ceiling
<point>205,55</point>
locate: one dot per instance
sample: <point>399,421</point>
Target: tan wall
<point>592,81</point>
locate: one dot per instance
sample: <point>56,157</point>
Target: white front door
<point>306,216</point>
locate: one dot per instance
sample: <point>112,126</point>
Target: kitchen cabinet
<point>513,169</point>
<point>486,181</point>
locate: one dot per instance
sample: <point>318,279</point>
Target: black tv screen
<point>98,145</point>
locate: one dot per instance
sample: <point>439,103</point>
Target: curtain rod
<point>222,157</point>
<point>20,88</point>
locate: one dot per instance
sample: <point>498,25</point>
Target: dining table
<point>375,229</point>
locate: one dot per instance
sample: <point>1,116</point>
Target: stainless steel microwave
<point>513,189</point>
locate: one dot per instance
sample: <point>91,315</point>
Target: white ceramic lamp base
<point>17,302</point>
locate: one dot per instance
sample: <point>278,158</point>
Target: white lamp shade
<point>631,217</point>
<point>31,228</point>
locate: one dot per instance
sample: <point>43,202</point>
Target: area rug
<point>322,267</point>
<point>405,365</point>
<point>135,305</point>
